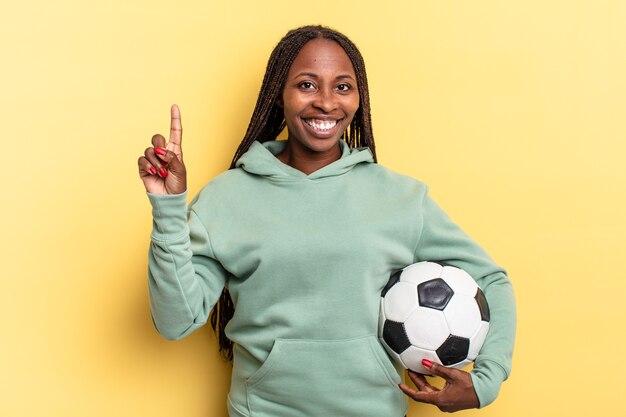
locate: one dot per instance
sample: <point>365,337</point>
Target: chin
<point>322,145</point>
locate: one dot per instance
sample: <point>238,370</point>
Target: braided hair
<point>268,121</point>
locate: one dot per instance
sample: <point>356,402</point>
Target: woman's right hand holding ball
<point>161,168</point>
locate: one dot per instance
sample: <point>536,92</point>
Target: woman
<point>303,234</point>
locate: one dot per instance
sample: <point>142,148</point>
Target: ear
<point>279,102</point>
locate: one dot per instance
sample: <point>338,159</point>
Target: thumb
<point>170,160</point>
<point>176,178</point>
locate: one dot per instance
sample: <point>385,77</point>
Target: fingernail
<point>427,363</point>
<point>153,171</point>
<point>163,172</point>
<point>160,151</point>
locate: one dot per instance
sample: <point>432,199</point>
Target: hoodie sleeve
<point>184,278</point>
<point>442,240</point>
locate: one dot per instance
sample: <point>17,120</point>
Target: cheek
<point>291,117</point>
<point>291,101</point>
<point>289,113</point>
<point>353,105</point>
<point>354,108</point>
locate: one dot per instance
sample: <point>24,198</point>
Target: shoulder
<point>224,186</point>
<point>381,176</point>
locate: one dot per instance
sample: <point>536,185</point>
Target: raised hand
<point>161,168</point>
<point>457,394</point>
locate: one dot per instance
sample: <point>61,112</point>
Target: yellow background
<point>512,111</point>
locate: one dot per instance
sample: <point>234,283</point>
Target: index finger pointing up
<point>176,132</point>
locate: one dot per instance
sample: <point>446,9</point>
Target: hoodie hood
<point>261,159</point>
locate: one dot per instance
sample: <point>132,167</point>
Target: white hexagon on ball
<point>400,301</point>
<point>460,281</point>
<point>462,315</point>
<point>420,272</point>
<point>426,328</point>
<point>412,359</point>
<point>477,340</point>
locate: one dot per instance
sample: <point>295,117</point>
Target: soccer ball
<point>435,312</point>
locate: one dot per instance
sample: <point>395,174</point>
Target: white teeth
<point>321,124</point>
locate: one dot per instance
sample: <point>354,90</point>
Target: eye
<point>344,87</point>
<point>306,85</point>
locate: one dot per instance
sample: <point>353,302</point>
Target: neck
<point>308,161</point>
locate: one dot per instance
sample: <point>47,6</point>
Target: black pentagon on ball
<point>393,279</point>
<point>453,350</point>
<point>482,305</point>
<point>395,336</point>
<point>434,293</point>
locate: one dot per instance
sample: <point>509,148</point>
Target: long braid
<point>268,121</point>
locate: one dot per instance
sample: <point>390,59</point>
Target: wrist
<point>487,377</point>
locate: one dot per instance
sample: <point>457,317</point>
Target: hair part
<point>268,121</point>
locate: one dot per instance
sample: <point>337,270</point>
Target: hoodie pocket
<point>349,377</point>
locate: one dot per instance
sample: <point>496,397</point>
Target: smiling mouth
<point>321,125</point>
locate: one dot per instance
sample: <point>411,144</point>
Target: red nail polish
<point>152,170</point>
<point>160,151</point>
<point>163,172</point>
<point>427,363</point>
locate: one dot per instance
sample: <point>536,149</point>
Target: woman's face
<point>320,96</point>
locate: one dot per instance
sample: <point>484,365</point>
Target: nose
<point>325,100</point>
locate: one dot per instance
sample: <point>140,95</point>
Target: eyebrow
<point>313,75</point>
